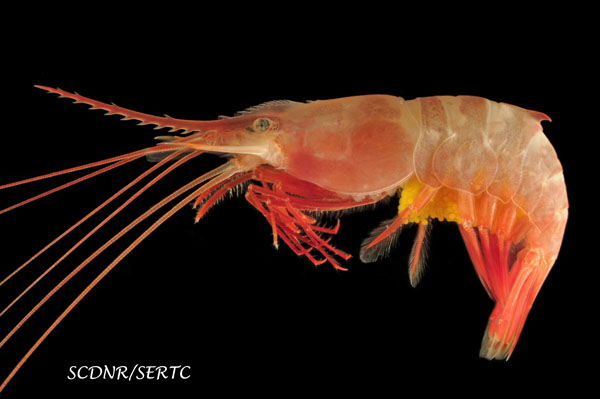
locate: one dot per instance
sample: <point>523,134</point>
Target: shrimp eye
<point>261,125</point>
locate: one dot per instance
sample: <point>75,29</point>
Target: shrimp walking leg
<point>284,212</point>
<point>295,228</point>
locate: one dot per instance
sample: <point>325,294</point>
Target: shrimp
<point>486,166</point>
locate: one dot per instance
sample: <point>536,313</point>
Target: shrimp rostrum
<point>486,166</point>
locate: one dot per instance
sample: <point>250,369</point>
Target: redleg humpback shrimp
<point>486,166</point>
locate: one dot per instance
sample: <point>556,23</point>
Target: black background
<point>216,295</point>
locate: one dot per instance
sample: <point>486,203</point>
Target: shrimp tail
<point>508,318</point>
<point>512,281</point>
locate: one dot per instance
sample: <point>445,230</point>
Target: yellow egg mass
<point>442,207</point>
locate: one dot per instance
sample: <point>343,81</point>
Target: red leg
<point>418,254</point>
<point>373,244</point>
<point>281,199</point>
<point>215,195</point>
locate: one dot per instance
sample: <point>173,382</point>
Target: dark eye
<point>261,125</point>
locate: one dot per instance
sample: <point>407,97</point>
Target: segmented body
<point>498,177</point>
<point>484,165</point>
<point>498,153</point>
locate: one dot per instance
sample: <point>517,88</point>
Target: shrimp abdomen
<point>497,176</point>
